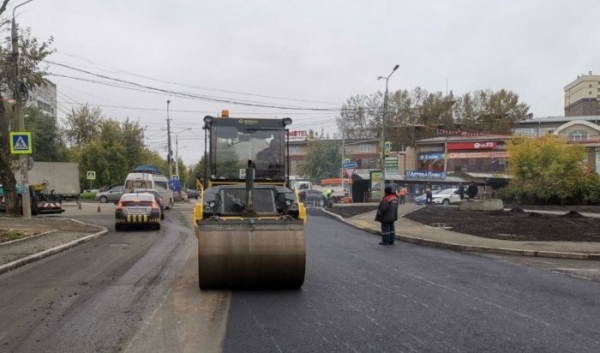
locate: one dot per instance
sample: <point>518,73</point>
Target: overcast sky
<point>310,54</point>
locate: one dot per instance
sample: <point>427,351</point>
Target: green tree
<point>322,159</point>
<point>82,125</point>
<point>32,52</point>
<point>549,170</point>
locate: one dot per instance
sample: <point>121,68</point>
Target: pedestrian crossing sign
<point>20,143</point>
<point>91,175</point>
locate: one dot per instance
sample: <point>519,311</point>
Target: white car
<point>446,197</point>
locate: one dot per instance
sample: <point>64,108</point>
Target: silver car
<point>111,195</point>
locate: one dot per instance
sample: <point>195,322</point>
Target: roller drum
<point>247,254</point>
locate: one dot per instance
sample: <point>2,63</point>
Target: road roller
<point>249,222</point>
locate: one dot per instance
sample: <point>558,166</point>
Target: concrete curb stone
<point>473,248</point>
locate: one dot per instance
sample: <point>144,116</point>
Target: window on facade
<point>294,149</point>
<point>365,148</point>
<point>577,135</point>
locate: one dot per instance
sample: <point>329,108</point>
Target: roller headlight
<point>294,207</point>
<point>211,204</point>
<point>288,202</point>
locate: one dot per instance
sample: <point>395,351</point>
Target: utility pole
<point>25,200</point>
<point>170,151</point>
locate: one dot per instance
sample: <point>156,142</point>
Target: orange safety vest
<point>404,192</point>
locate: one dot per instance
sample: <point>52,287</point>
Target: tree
<point>32,52</point>
<point>549,170</point>
<point>418,114</point>
<point>82,125</point>
<point>322,160</point>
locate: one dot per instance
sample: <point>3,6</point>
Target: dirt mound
<point>513,225</point>
<point>572,214</point>
<point>517,210</point>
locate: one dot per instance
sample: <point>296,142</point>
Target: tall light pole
<point>177,149</point>
<point>25,200</point>
<point>384,115</point>
<point>169,150</point>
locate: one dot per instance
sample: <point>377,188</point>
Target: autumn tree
<point>33,74</point>
<point>322,160</point>
<point>418,114</point>
<point>549,170</point>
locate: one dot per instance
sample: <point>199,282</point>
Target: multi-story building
<point>582,96</point>
<point>43,98</point>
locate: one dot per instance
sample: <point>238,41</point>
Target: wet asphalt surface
<point>360,296</point>
<point>137,292</point>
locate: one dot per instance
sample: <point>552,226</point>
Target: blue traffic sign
<point>348,165</point>
<point>20,143</point>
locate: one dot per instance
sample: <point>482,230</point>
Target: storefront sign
<point>502,154</point>
<point>453,146</point>
<point>391,165</point>
<point>424,174</point>
<point>430,156</point>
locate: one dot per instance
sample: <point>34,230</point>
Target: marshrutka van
<point>150,177</point>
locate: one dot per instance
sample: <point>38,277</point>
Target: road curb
<point>474,248</point>
<point>31,258</point>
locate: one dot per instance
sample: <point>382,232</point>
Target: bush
<point>87,195</point>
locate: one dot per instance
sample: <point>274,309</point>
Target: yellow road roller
<point>249,222</point>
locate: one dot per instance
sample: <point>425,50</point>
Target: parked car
<point>447,196</point>
<point>113,194</point>
<point>137,209</point>
<point>157,196</point>
<point>193,194</point>
<point>420,200</point>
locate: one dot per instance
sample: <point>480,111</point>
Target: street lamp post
<point>385,108</point>
<point>25,201</point>
<point>177,149</point>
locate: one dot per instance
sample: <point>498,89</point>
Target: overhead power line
<point>137,86</point>
<point>116,70</point>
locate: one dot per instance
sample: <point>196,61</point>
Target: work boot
<point>392,238</point>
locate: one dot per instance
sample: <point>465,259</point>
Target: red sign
<point>502,154</point>
<point>297,134</point>
<point>453,146</point>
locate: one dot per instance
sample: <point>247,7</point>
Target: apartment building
<point>582,96</point>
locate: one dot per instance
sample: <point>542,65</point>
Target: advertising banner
<point>376,186</point>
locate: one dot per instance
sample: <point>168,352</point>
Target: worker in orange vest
<point>402,194</point>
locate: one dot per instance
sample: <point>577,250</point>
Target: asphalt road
<point>359,296</point>
<point>100,296</point>
<point>138,292</point>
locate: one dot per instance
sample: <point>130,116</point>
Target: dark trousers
<point>429,199</point>
<point>402,199</point>
<point>388,232</point>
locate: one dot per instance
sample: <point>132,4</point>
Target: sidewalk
<point>417,233</point>
<point>55,234</point>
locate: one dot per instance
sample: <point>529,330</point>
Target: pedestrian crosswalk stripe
<point>21,145</point>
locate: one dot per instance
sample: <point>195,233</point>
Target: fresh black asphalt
<point>360,296</point>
